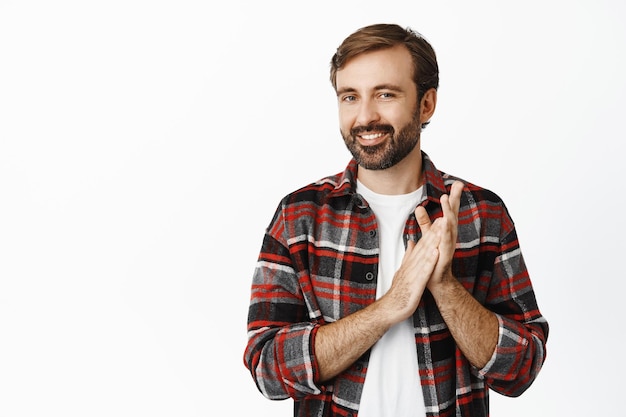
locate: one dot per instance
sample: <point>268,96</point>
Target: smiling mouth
<point>372,136</point>
<point>372,139</point>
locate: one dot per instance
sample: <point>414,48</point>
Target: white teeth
<point>372,136</point>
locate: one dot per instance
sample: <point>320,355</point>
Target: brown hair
<point>381,36</point>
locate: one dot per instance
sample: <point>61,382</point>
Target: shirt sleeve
<point>279,353</point>
<point>523,331</point>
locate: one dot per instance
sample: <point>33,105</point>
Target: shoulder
<point>473,193</point>
<point>319,192</point>
<point>482,208</point>
<point>440,182</point>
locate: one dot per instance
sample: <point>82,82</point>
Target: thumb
<point>422,218</point>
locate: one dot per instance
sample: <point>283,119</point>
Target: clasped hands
<point>428,262</point>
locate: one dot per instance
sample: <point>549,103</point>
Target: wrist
<point>389,310</point>
<point>443,285</point>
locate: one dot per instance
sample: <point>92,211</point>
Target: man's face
<point>378,107</point>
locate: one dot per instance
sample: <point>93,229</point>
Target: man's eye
<point>348,98</point>
<point>386,95</point>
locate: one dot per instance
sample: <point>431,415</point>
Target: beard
<point>388,153</point>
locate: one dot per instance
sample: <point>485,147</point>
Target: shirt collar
<point>433,180</point>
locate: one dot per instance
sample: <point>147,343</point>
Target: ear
<point>427,105</point>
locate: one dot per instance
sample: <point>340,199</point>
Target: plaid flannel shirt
<point>319,262</point>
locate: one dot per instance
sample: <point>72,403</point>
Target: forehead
<point>390,65</point>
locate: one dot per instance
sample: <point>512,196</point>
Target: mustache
<point>372,128</point>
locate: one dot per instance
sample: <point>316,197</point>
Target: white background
<point>145,144</point>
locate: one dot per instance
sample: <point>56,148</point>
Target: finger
<point>448,213</point>
<point>455,196</point>
<point>410,246</point>
<point>425,256</point>
<point>450,203</point>
<point>422,218</point>
<point>415,250</point>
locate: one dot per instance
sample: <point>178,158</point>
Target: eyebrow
<point>345,90</point>
<point>379,87</point>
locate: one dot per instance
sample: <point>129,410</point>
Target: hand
<point>411,278</point>
<point>474,328</point>
<point>447,229</point>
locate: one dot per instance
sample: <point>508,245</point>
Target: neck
<point>402,178</point>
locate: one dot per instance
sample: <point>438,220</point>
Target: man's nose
<point>367,114</point>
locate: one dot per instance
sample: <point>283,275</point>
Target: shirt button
<point>369,276</point>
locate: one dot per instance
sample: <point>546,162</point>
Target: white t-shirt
<point>392,385</point>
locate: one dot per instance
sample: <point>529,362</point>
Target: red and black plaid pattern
<point>319,263</point>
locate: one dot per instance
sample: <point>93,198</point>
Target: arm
<point>287,354</point>
<point>279,332</point>
<point>473,327</point>
<point>338,345</point>
<point>504,339</point>
<point>523,331</point>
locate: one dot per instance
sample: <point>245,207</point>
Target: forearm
<point>339,344</point>
<point>474,328</point>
